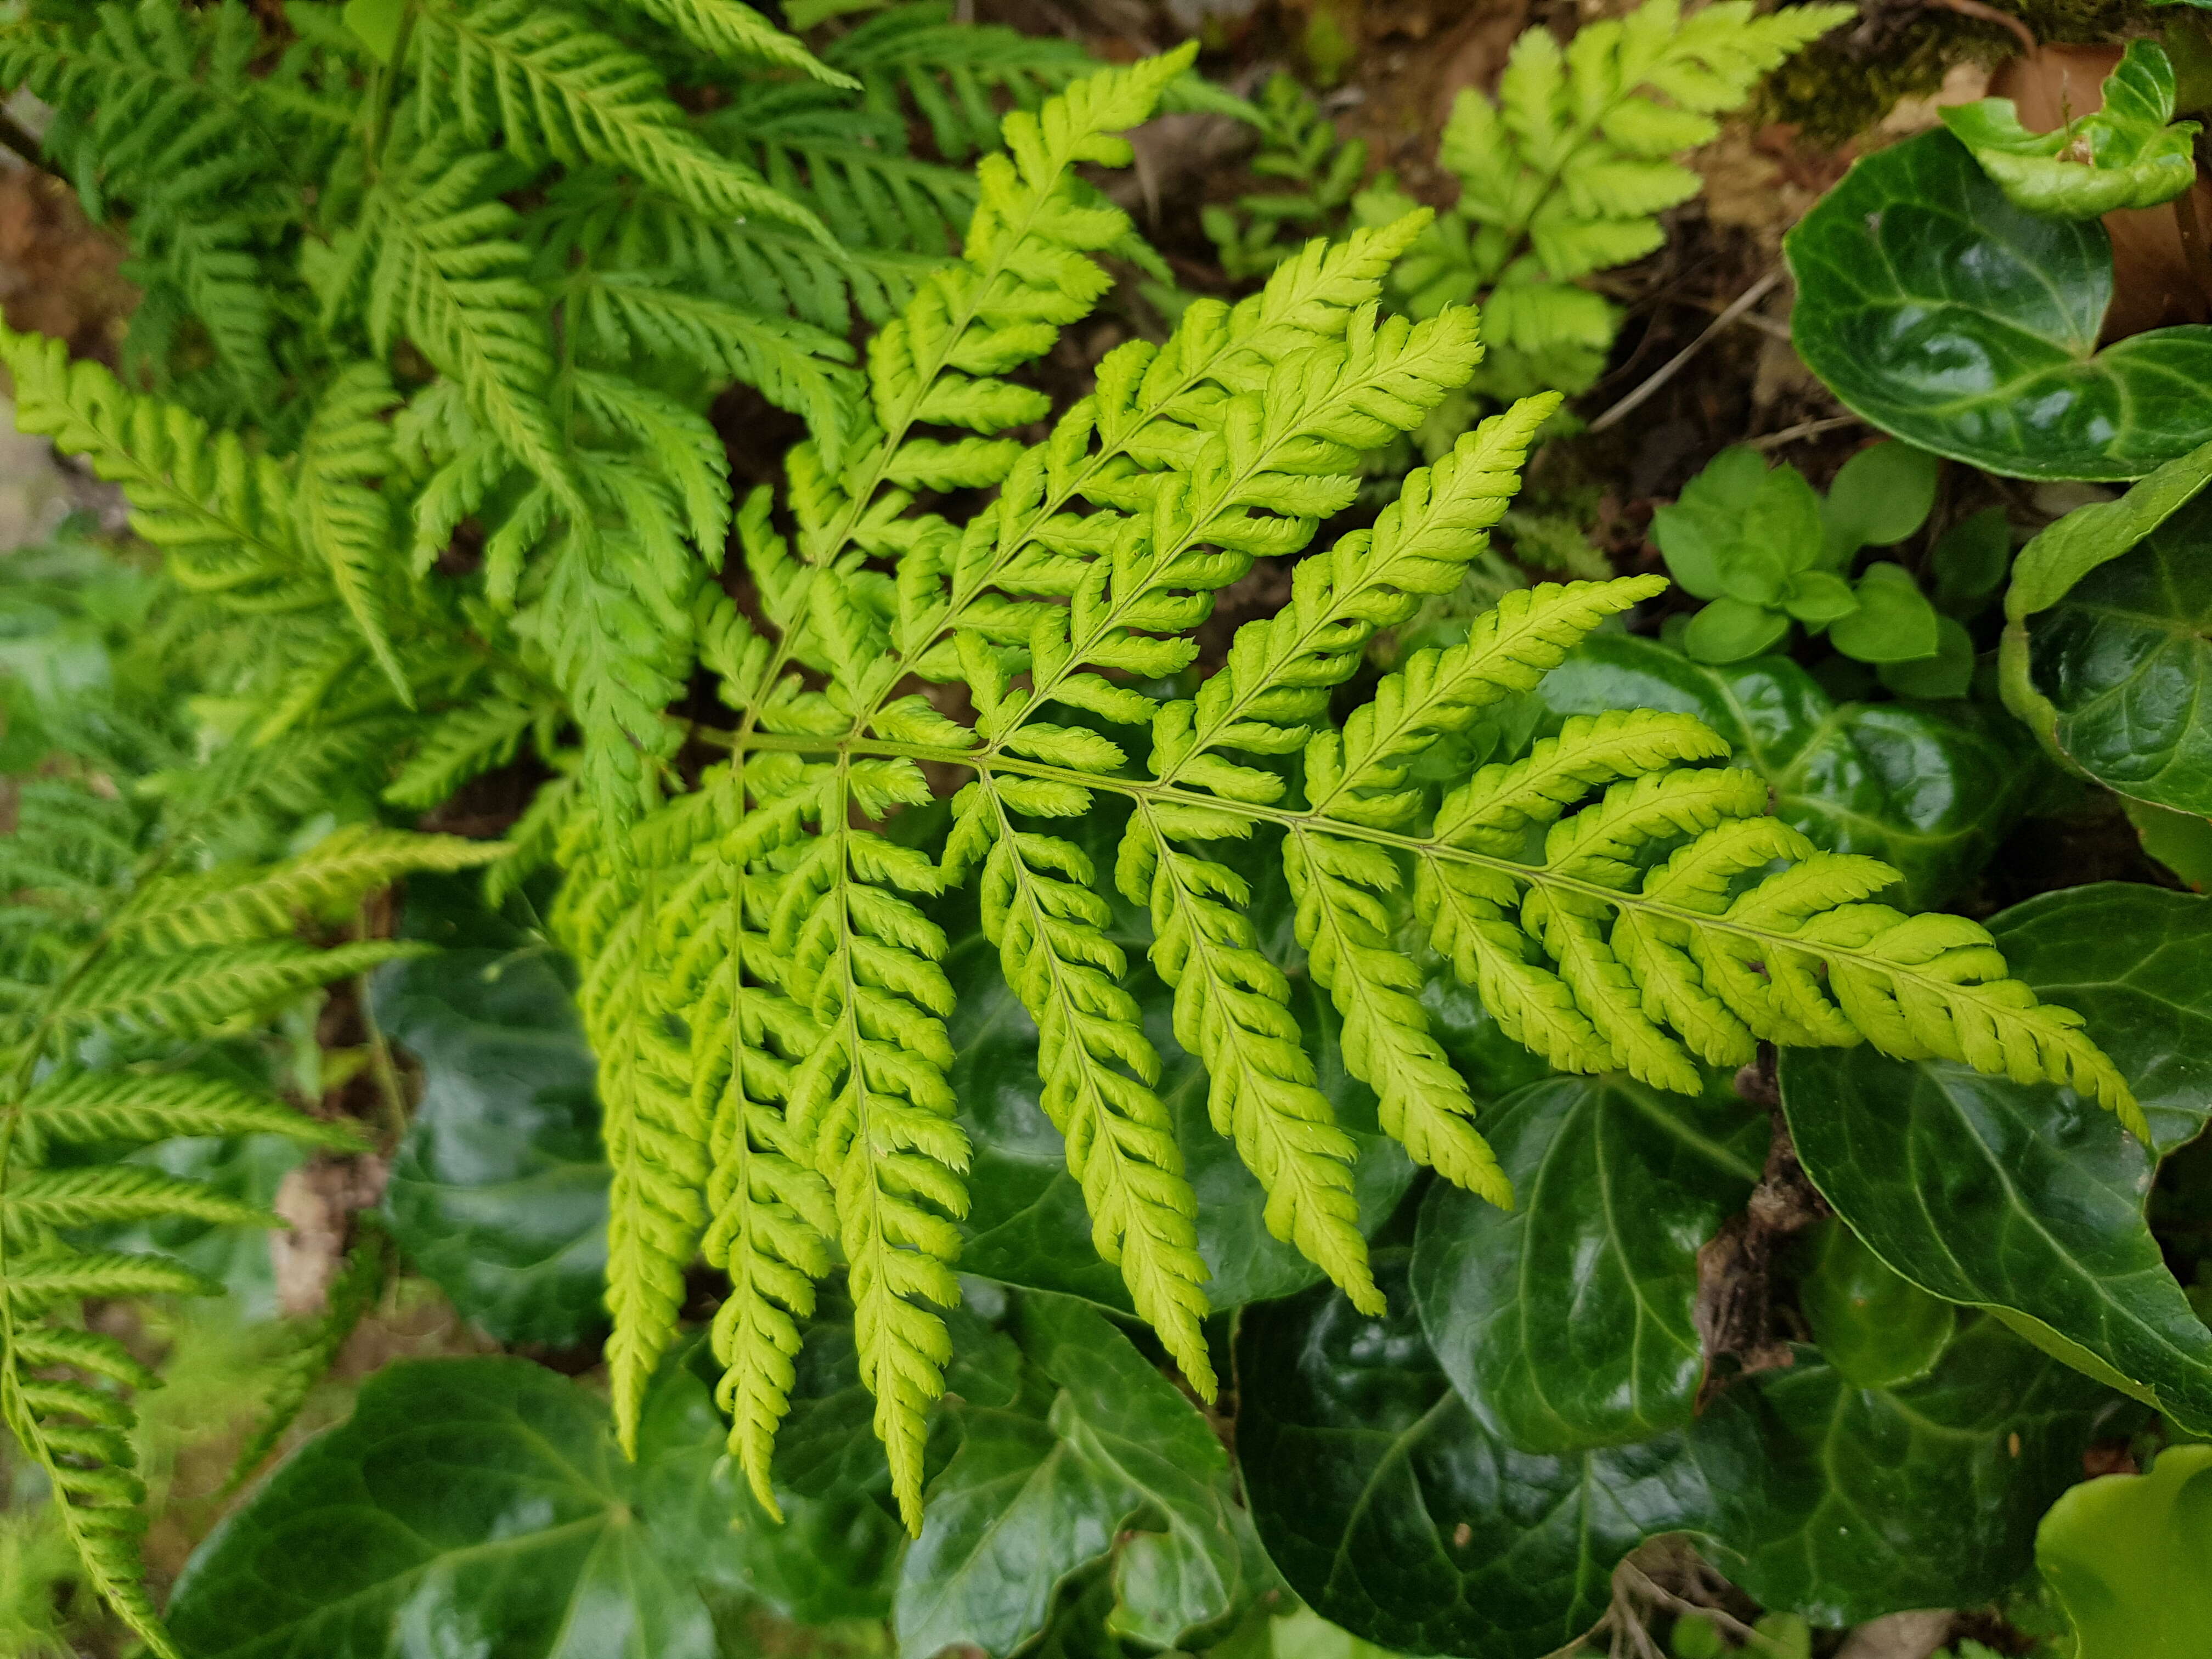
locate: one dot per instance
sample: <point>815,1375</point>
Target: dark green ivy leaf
<point>1930,791</point>
<point>499,1192</point>
<point>1097,1455</point>
<point>2029,1200</point>
<point>1844,1504</point>
<point>2125,668</point>
<point>1946,315</point>
<point>1395,1513</point>
<point>1567,1321</point>
<point>477,1506</point>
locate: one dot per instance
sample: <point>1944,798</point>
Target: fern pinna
<point>761,976</point>
<point>120,968</point>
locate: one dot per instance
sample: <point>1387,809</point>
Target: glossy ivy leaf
<point>1843,1503</point>
<point>499,1192</point>
<point>2027,1200</point>
<point>1950,318</point>
<point>1568,1320</point>
<point>1930,791</point>
<point>1097,1455</point>
<point>477,1505</point>
<point>2128,1557</point>
<point>2123,664</point>
<point>1876,1329</point>
<point>2122,155</point>
<point>1026,1224</point>
<point>835,1555</point>
<point>1395,1513</point>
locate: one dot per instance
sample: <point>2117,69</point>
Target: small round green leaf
<point>1970,558</point>
<point>1817,597</point>
<point>1880,496</point>
<point>1894,621</point>
<point>1950,318</point>
<point>2128,1557</point>
<point>1876,1329</point>
<point>1730,629</point>
<point>1949,673</point>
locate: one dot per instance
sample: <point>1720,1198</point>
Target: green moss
<point>1840,86</point>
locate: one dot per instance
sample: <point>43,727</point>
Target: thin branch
<point>1636,399</point>
<point>1790,434</point>
<point>388,1087</point>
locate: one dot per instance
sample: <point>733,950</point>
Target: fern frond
<point>950,72</point>
<point>724,29</point>
<point>467,740</point>
<point>87,1108</point>
<point>328,881</point>
<point>656,1137</point>
<point>772,1216</point>
<point>203,990</point>
<point>1098,1067</point>
<point>347,447</point>
<point>551,89</point>
<point>436,256</point>
<point>1566,173</point>
<point>870,1103</point>
<point>222,514</point>
<point>118,1192</point>
<point>628,315</point>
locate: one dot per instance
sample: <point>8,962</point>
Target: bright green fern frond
<point>220,514</point>
<point>87,1108</point>
<point>772,1216</point>
<point>551,89</point>
<point>656,1135</point>
<point>725,28</point>
<point>869,1105</point>
<point>1040,909</point>
<point>114,1192</point>
<point>437,254</point>
<point>1566,172</point>
<point>347,448</point>
<point>202,990</point>
<point>625,316</point>
<point>470,740</point>
<point>326,882</point>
